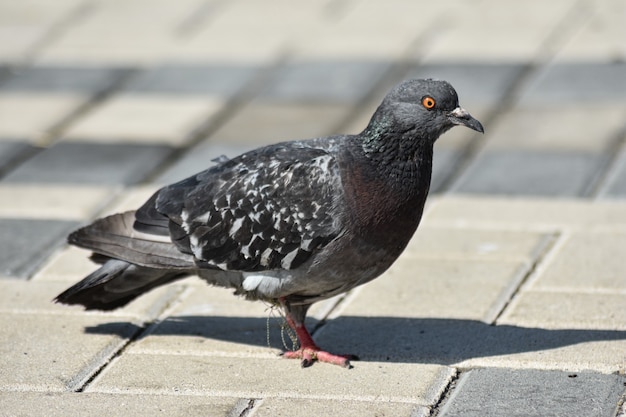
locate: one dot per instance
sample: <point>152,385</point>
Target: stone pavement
<point>510,300</point>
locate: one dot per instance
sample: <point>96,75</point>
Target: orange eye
<point>428,102</point>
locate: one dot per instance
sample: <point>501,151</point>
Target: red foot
<point>312,354</point>
<point>309,352</point>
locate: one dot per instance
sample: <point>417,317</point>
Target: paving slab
<point>527,213</point>
<point>141,36</point>
<point>199,158</point>
<point>471,343</point>
<point>369,30</point>
<point>256,378</point>
<point>32,115</point>
<point>51,201</point>
<point>358,43</point>
<point>585,262</point>
<point>273,36</point>
<point>26,243</point>
<point>90,163</point>
<point>10,150</point>
<point>263,123</point>
<point>28,23</point>
<point>36,297</point>
<point>594,81</point>
<point>587,128</point>
<point>155,119</point>
<point>69,264</point>
<point>600,37</point>
<point>418,295</point>
<point>284,407</point>
<point>213,321</point>
<point>532,347</point>
<point>244,38</point>
<point>566,309</point>
<point>535,173</point>
<point>614,186</point>
<point>472,37</point>
<point>446,243</point>
<point>497,392</point>
<point>62,79</point>
<point>52,347</point>
<point>193,79</point>
<point>444,165</point>
<point>325,81</point>
<point>31,404</point>
<point>416,288</point>
<point>209,320</point>
<point>66,359</point>
<point>132,198</point>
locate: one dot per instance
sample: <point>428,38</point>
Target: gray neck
<point>398,154</point>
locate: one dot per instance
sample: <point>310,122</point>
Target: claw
<point>309,355</point>
<point>309,352</point>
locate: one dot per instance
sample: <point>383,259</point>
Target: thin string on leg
<point>284,327</point>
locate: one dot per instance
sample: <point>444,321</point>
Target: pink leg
<point>309,352</point>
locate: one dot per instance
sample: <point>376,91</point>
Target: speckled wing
<point>268,209</point>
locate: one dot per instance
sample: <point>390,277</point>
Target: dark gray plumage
<point>291,223</point>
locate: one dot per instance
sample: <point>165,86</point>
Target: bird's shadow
<point>395,339</point>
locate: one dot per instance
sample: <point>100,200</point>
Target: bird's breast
<point>385,212</point>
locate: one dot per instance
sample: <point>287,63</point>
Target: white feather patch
<point>262,284</point>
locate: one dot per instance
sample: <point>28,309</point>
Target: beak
<point>460,116</point>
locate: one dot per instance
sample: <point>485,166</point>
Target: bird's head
<point>422,108</point>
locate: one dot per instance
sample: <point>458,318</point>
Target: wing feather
<point>271,208</point>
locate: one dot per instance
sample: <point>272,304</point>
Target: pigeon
<point>290,224</point>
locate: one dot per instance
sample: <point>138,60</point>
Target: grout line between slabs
<point>546,248</point>
<point>620,409</point>
<point>550,249</point>
<point>18,159</point>
<point>199,17</point>
<point>448,391</point>
<point>607,174</point>
<point>99,362</point>
<point>87,376</point>
<point>98,97</point>
<point>245,407</point>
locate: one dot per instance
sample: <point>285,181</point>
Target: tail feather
<point>115,237</point>
<point>115,284</point>
<point>133,263</point>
